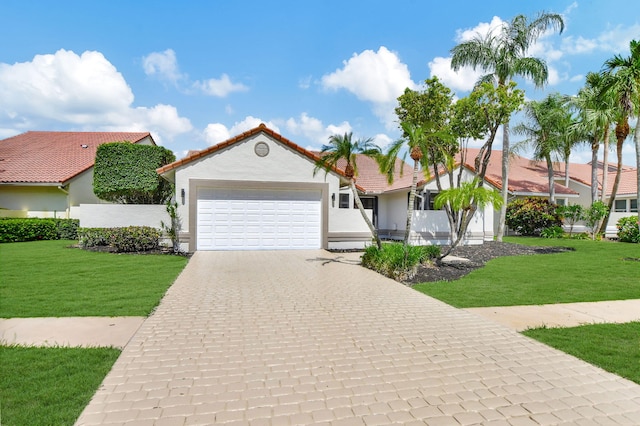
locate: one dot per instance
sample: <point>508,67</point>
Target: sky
<point>194,73</point>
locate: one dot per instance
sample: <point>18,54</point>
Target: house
<point>258,190</point>
<point>46,174</point>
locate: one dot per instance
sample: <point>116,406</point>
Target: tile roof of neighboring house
<point>628,182</point>
<point>54,157</point>
<point>372,181</point>
<point>262,128</point>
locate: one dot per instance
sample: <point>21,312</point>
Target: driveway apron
<point>310,337</point>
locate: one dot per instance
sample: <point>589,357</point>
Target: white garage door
<point>258,219</point>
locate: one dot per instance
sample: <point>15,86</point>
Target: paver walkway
<point>310,338</point>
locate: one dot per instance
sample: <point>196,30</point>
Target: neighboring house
<point>45,174</point>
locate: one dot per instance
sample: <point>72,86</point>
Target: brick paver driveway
<point>309,337</point>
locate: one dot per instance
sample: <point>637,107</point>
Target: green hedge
<point>32,229</point>
<point>530,215</point>
<point>628,231</point>
<point>122,240</point>
<point>126,173</point>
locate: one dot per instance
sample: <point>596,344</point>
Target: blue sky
<point>197,72</point>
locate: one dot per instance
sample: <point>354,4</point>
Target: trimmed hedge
<point>126,173</point>
<point>14,230</point>
<point>130,239</point>
<point>628,231</point>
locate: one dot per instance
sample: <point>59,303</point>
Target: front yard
<point>46,386</point>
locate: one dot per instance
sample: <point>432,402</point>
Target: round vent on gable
<point>261,149</point>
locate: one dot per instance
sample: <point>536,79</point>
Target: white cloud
<point>482,29</point>
<point>217,132</point>
<point>219,87</point>
<point>614,40</point>
<point>162,64</point>
<point>314,130</point>
<point>464,79</point>
<point>382,140</point>
<point>375,77</point>
<point>84,91</point>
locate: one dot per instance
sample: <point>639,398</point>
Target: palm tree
<point>416,140</point>
<point>543,132</point>
<point>342,147</point>
<point>503,56</point>
<point>622,77</point>
<point>466,199</point>
<point>596,111</point>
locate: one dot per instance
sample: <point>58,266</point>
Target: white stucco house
<point>258,190</point>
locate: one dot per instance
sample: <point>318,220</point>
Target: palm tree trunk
<point>356,197</point>
<point>505,180</point>
<point>412,198</point>
<point>594,170</point>
<point>636,140</point>
<point>566,172</point>
<point>605,163</point>
<point>552,184</point>
<point>465,220</point>
<point>614,190</point>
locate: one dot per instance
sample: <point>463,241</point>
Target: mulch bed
<point>477,256</point>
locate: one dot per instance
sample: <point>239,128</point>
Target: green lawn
<point>46,278</point>
<point>613,347</point>
<point>49,386</point>
<point>595,271</point>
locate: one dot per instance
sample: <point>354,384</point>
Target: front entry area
<point>258,219</point>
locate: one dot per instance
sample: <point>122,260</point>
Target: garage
<point>258,219</point>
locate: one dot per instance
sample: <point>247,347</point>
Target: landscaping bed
<point>477,256</point>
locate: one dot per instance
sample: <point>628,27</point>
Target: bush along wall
<point>14,230</point>
<point>130,239</point>
<point>628,231</point>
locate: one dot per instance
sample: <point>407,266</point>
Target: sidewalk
<point>117,331</point>
<point>520,318</point>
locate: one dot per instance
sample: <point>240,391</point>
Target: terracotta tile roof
<point>54,157</point>
<point>262,128</point>
<point>374,182</point>
<point>628,182</point>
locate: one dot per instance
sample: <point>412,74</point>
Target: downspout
<point>65,192</point>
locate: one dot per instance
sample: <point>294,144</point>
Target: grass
<point>46,278</point>
<point>612,347</point>
<point>595,271</point>
<point>50,386</point>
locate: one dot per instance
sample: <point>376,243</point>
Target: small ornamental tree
<point>126,173</point>
<point>530,215</point>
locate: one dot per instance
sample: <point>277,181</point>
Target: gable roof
<point>262,128</point>
<point>54,157</point>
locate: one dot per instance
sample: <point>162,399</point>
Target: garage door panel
<point>258,219</point>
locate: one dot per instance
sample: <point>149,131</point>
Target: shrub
<point>530,215</point>
<point>571,214</point>
<point>126,173</point>
<point>628,231</point>
<point>593,215</point>
<point>135,239</point>
<point>552,232</point>
<point>67,229</point>
<point>396,260</point>
<point>27,229</point>
<point>122,240</point>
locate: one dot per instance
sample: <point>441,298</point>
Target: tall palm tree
<point>596,110</point>
<point>415,139</point>
<point>343,147</point>
<point>503,56</point>
<point>624,81</point>
<point>543,132</point>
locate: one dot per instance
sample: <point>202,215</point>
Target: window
<point>620,206</point>
<point>367,203</point>
<point>417,201</point>
<point>561,201</point>
<point>634,205</point>
<point>431,196</point>
<point>344,201</point>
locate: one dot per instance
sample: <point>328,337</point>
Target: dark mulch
<point>477,256</point>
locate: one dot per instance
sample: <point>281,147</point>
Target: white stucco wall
<point>81,190</point>
<point>38,201</point>
<point>120,215</point>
